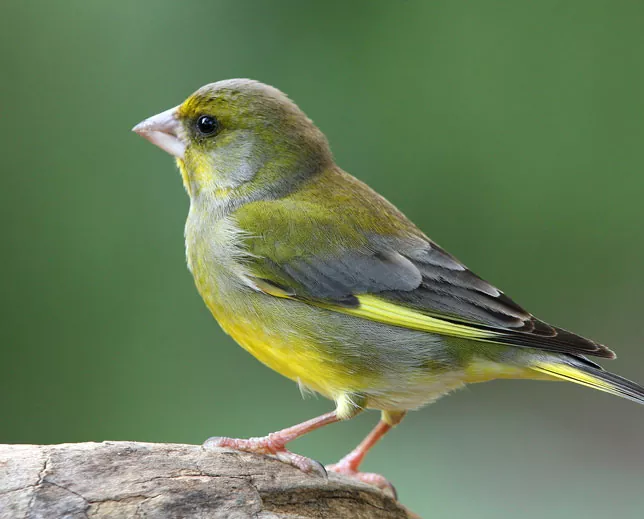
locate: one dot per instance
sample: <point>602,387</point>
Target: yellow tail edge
<point>592,377</point>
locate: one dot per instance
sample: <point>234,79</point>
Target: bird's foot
<point>347,468</point>
<point>268,445</point>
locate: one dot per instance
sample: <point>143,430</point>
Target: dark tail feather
<point>590,376</point>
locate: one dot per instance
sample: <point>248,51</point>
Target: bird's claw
<point>366,477</point>
<point>268,446</point>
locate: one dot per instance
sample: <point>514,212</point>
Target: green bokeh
<point>511,131</point>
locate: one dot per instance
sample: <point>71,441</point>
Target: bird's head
<point>239,137</point>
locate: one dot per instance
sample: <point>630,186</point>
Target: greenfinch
<point>326,282</point>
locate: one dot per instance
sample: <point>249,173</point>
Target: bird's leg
<point>350,464</point>
<point>274,444</point>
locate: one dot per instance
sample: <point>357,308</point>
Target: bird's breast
<point>215,255</point>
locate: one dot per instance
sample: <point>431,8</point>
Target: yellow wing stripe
<point>376,309</point>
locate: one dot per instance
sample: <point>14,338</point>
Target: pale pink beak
<point>163,130</point>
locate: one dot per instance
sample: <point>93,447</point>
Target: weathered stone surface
<point>118,480</point>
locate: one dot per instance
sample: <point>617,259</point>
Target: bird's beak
<point>163,130</point>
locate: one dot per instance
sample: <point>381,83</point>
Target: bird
<point>327,283</point>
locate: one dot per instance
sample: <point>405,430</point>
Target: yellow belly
<point>292,357</point>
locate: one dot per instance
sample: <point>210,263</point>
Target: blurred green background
<point>511,132</point>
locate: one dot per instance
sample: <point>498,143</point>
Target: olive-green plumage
<point>326,282</point>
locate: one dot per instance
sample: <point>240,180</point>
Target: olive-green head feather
<point>237,137</point>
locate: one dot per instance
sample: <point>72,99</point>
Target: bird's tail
<point>594,377</point>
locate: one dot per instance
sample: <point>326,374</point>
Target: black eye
<point>207,125</point>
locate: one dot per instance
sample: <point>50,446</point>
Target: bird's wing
<point>401,280</point>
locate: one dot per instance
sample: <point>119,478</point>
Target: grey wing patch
<point>354,273</point>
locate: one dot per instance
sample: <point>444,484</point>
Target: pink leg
<point>350,464</point>
<point>275,443</point>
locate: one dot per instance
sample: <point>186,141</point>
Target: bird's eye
<point>207,125</point>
